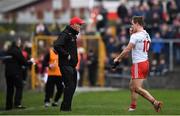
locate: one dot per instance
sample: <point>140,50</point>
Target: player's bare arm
<point>125,52</point>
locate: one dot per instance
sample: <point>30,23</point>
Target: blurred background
<point>102,38</point>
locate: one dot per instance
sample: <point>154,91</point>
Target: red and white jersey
<point>142,41</point>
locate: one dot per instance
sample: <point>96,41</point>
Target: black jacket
<point>65,45</point>
<point>13,66</point>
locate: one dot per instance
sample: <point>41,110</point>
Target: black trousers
<point>92,75</point>
<point>81,72</point>
<point>14,84</point>
<point>49,89</point>
<point>69,75</point>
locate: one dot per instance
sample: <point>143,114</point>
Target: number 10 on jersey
<point>146,45</point>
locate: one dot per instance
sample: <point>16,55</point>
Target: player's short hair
<point>139,20</point>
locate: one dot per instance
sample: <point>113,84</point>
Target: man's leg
<point>9,93</point>
<point>137,86</point>
<point>68,79</point>
<point>134,97</point>
<point>74,79</point>
<point>59,92</point>
<point>49,90</point>
<point>19,91</point>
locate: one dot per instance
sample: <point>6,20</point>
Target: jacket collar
<point>70,31</point>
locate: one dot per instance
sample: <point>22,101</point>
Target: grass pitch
<point>98,103</point>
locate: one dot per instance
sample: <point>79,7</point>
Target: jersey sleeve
<point>133,39</point>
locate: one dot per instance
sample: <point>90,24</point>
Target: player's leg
<point>134,97</point>
<point>137,84</point>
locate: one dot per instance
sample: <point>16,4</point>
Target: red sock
<point>133,105</point>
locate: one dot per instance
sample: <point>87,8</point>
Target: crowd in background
<point>162,20</point>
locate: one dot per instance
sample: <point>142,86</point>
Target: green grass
<point>99,103</point>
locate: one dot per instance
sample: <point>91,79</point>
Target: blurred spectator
<point>112,46</point>
<point>50,62</point>
<point>81,65</point>
<point>157,46</point>
<point>55,30</point>
<point>154,14</point>
<point>176,21</point>
<point>178,4</point>
<point>41,29</point>
<point>118,25</point>
<point>164,30</point>
<point>14,75</point>
<point>123,37</point>
<point>108,34</point>
<point>172,10</point>
<point>153,67</point>
<point>122,12</point>
<point>102,20</point>
<point>162,68</point>
<point>141,9</point>
<point>92,67</point>
<point>165,15</point>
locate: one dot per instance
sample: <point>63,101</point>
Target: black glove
<point>115,64</point>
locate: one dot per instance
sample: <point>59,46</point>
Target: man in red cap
<point>66,48</point>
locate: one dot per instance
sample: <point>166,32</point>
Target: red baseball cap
<point>76,20</point>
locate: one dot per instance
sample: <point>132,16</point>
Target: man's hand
<point>32,60</point>
<point>51,66</point>
<point>131,31</point>
<point>115,64</point>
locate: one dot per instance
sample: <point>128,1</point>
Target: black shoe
<point>8,108</point>
<point>20,107</point>
<point>65,110</point>
<point>54,104</point>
